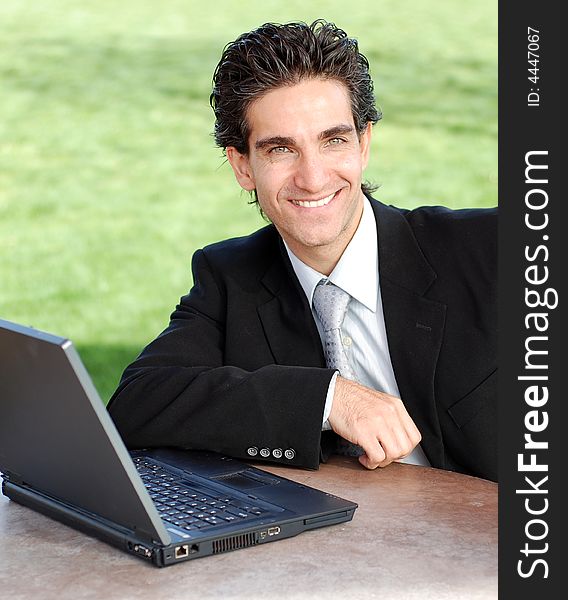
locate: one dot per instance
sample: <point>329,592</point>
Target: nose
<point>312,173</point>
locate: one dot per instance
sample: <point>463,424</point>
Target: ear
<point>365,144</point>
<point>241,168</point>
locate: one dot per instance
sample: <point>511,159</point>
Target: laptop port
<point>182,551</point>
<point>273,530</point>
<point>140,549</point>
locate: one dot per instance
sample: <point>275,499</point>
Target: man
<point>345,325</point>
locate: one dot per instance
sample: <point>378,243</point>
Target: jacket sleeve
<point>179,392</point>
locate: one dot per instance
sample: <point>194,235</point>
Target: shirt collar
<point>357,271</point>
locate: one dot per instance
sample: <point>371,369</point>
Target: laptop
<point>60,454</point>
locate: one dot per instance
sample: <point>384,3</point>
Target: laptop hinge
<point>12,477</point>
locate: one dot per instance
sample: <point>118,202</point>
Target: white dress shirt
<point>363,330</point>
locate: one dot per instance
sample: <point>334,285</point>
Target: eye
<point>335,141</point>
<point>279,150</point>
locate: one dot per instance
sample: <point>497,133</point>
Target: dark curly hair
<point>275,55</point>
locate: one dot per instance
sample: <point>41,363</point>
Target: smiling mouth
<point>315,203</point>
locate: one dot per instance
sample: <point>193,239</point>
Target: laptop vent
<point>234,543</point>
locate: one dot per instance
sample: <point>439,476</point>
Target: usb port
<point>273,530</point>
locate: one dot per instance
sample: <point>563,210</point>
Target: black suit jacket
<point>241,365</point>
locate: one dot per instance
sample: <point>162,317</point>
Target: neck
<point>321,259</point>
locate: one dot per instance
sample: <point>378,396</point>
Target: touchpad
<point>245,481</point>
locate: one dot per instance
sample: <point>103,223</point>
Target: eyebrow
<point>276,140</point>
<point>336,130</point>
<point>279,140</point>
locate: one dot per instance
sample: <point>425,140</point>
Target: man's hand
<point>376,421</point>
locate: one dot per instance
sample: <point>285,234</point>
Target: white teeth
<point>314,203</point>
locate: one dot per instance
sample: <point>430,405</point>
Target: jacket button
<point>277,453</point>
<point>265,453</point>
<point>252,451</point>
<point>289,454</point>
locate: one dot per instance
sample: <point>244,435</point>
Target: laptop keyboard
<point>188,507</point>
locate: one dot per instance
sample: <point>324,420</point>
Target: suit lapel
<point>287,318</point>
<point>414,323</point>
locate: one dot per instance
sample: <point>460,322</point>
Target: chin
<point>317,241</point>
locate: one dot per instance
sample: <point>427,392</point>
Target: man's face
<point>305,162</point>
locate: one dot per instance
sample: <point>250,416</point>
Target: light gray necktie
<point>330,304</point>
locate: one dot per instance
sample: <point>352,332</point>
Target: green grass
<point>109,179</point>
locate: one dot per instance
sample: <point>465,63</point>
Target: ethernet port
<point>182,551</point>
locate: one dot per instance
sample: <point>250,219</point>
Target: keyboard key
<point>237,513</point>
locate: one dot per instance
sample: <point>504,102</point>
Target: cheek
<point>351,165</point>
<point>275,183</point>
<point>269,176</point>
<point>267,194</point>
